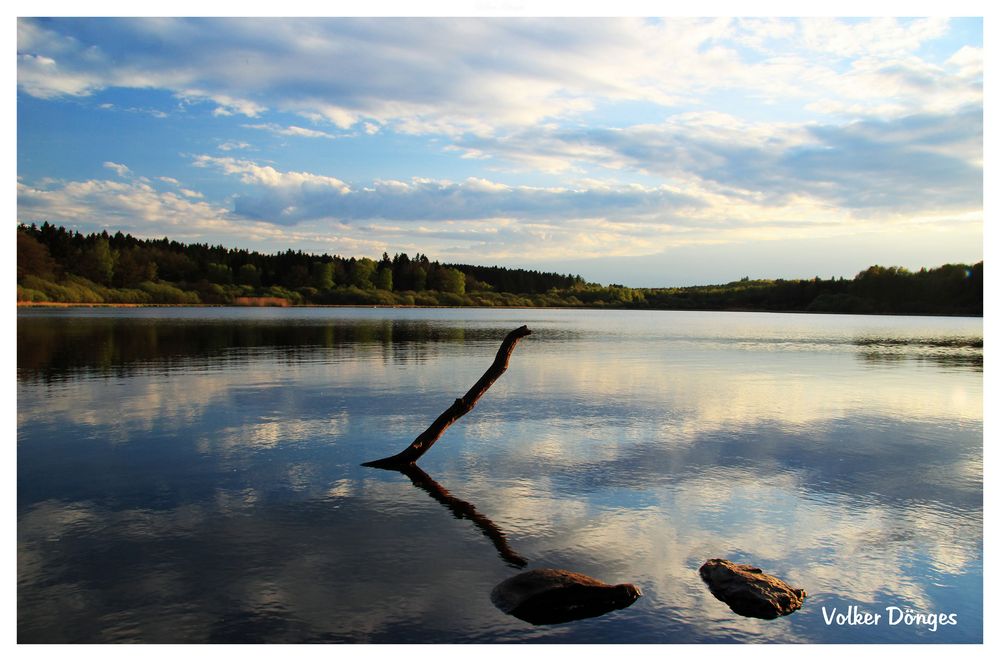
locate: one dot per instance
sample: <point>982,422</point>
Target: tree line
<point>59,265</point>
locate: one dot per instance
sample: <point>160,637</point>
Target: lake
<point>194,475</point>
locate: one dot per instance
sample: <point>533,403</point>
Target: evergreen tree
<point>97,262</point>
<point>323,275</point>
<point>383,278</point>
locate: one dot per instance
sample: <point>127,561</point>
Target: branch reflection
<point>463,510</point>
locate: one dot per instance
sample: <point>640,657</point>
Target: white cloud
<point>121,170</point>
<point>42,77</point>
<point>485,74</point>
<point>265,175</point>
<point>926,162</point>
<point>122,204</point>
<point>969,62</point>
<point>303,196</point>
<point>727,189</point>
<point>233,145</point>
<point>876,36</point>
<point>295,131</point>
<point>227,104</point>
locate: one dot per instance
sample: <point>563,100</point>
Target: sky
<point>639,151</point>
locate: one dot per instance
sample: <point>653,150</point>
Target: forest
<point>56,265</point>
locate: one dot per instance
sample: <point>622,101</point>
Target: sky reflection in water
<point>193,475</point>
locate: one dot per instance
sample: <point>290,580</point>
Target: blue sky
<point>645,152</point>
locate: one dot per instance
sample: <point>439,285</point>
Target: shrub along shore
<point>56,266</point>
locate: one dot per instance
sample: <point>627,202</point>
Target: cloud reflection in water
<point>226,502</point>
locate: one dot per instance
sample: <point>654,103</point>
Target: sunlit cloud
<point>131,204</point>
<point>969,62</point>
<point>878,36</point>
<point>269,177</point>
<point>138,208</point>
<point>232,145</point>
<point>535,69</point>
<point>120,170</point>
<point>287,197</point>
<point>291,131</point>
<point>908,163</point>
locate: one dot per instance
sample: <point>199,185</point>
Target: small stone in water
<point>749,591</point>
<point>553,596</point>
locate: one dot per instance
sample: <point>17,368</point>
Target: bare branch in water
<point>462,405</point>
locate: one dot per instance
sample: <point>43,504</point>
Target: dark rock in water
<point>552,596</point>
<point>749,591</point>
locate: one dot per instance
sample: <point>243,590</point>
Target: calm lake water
<point>193,475</point>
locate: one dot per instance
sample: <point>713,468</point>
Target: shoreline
<point>61,305</point>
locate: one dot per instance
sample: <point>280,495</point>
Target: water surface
<point>193,475</point>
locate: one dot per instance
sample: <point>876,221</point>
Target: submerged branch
<point>460,407</point>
